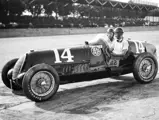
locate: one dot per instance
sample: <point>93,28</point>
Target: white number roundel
<point>96,51</point>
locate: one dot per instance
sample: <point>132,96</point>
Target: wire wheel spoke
<point>42,83</point>
<point>147,68</point>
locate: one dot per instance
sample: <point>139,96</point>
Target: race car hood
<point>138,47</point>
<point>151,49</point>
<point>57,57</point>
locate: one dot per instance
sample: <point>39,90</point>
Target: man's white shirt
<point>120,47</point>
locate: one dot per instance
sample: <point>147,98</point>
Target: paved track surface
<point>117,98</point>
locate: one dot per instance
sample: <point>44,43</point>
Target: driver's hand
<point>127,53</point>
<point>111,49</point>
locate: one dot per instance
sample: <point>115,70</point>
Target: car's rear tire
<point>41,82</point>
<point>145,68</point>
<point>7,67</point>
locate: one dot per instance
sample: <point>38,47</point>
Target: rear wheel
<point>7,75</point>
<point>145,68</point>
<point>41,82</point>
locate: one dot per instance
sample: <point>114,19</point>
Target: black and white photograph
<point>79,59</point>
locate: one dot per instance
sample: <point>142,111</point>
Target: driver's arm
<point>95,42</point>
<point>98,40</point>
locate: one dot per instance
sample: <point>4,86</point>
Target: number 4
<point>141,47</point>
<point>67,56</point>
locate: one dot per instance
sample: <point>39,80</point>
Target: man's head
<point>118,33</point>
<point>110,33</point>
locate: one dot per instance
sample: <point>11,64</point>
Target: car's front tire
<point>145,68</point>
<point>41,82</point>
<point>6,78</point>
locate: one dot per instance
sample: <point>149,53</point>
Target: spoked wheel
<point>145,68</point>
<point>41,82</point>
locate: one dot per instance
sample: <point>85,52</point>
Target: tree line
<point>15,8</point>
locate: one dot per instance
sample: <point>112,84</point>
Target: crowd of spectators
<point>70,22</point>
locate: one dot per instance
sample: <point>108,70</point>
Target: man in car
<point>106,40</point>
<point>120,46</point>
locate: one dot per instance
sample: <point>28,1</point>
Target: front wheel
<point>41,82</point>
<point>6,76</point>
<point>145,68</point>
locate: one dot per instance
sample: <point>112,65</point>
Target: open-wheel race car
<point>38,73</point>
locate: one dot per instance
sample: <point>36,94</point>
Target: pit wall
<point>65,31</point>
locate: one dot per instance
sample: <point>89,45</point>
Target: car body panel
<point>138,47</point>
<point>86,59</point>
<point>81,60</point>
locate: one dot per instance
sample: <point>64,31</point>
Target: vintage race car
<point>39,73</point>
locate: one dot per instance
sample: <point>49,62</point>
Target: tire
<point>145,68</point>
<point>41,82</point>
<point>8,66</point>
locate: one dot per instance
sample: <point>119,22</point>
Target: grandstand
<point>76,13</point>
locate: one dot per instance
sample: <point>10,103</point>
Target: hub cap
<point>42,83</point>
<point>147,68</point>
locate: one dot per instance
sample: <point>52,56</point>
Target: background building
<point>77,13</point>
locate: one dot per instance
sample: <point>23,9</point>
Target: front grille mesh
<point>18,67</point>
